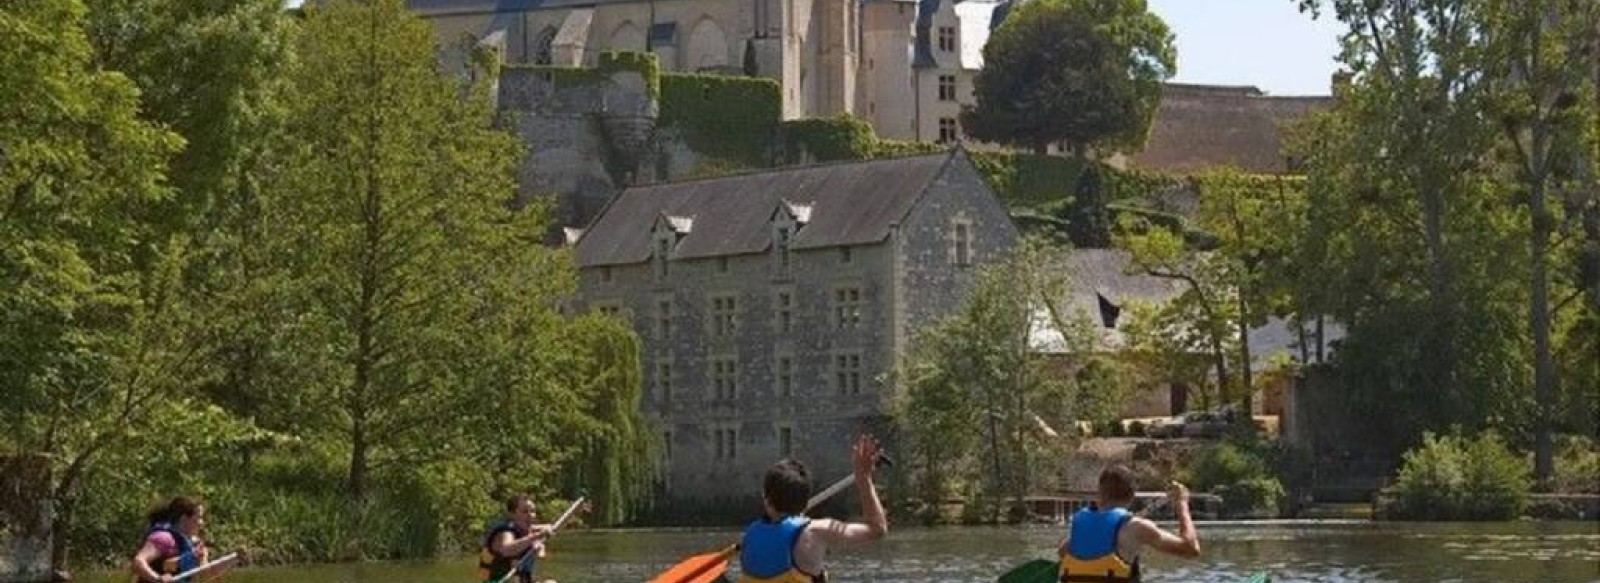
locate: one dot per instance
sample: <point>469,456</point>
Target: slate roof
<point>851,203</point>
<point>1099,286</point>
<point>438,7</point>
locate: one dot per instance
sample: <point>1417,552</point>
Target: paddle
<point>223,560</point>
<point>708,567</point>
<point>526,562</point>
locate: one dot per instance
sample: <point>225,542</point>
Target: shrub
<point>1456,478</point>
<point>1577,467</point>
<point>1238,472</point>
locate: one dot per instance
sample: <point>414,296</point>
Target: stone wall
<point>819,418</point>
<point>25,517</point>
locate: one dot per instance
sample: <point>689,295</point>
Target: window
<point>663,246</point>
<point>608,309</point>
<point>844,255</point>
<point>664,321</point>
<point>847,373</point>
<point>947,88</point>
<point>961,237</point>
<point>785,441</point>
<point>724,312</point>
<point>727,443</point>
<point>784,374</point>
<point>947,130</point>
<point>947,39</point>
<point>666,445</point>
<point>847,307</point>
<point>664,381</point>
<point>725,379</point>
<point>783,308</point>
<point>722,265</point>
<point>783,249</point>
<point>605,274</point>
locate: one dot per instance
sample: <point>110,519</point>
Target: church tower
<point>837,46</point>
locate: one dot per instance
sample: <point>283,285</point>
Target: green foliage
<point>565,76</point>
<point>645,64</point>
<point>1453,477</point>
<point>976,391</point>
<point>1403,216</point>
<point>94,329</point>
<point>1241,473</point>
<point>1086,73</point>
<point>213,73</point>
<point>1243,274</point>
<point>729,118</point>
<point>1577,468</point>
<point>333,314</point>
<point>827,140</point>
<point>1029,180</point>
<point>896,148</point>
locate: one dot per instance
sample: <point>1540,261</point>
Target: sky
<point>1265,43</point>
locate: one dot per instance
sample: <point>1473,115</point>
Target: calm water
<point>1320,552</point>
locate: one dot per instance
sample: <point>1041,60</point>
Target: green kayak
<point>1044,571</point>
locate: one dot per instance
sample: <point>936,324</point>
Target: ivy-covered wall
<point>728,119</point>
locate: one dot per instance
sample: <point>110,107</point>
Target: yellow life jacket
<point>766,554</point>
<point>1091,555</point>
<point>491,566</point>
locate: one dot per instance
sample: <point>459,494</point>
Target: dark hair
<point>516,500</point>
<point>173,510</point>
<point>787,486</point>
<point>1116,482</point>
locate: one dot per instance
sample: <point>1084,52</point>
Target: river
<point>1323,552</point>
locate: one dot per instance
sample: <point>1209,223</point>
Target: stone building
<point>905,66</point>
<point>772,306</point>
<point>813,48</point>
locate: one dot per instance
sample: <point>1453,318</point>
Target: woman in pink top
<point>172,544</point>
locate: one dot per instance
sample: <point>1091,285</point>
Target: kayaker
<point>172,542</point>
<point>1104,541</point>
<point>784,546</point>
<point>509,539</point>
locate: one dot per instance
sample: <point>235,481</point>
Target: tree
<point>90,341</point>
<point>1403,220</point>
<point>394,193</point>
<point>1235,269</point>
<point>977,391</point>
<point>214,72</point>
<point>1086,73</point>
<point>1541,92</point>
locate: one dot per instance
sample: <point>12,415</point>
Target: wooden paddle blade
<point>1035,571</point>
<point>694,569</point>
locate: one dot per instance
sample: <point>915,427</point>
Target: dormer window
<point>786,220</point>
<point>782,244</point>
<point>665,235</point>
<point>663,247</point>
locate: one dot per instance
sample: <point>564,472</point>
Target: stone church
<point>813,48</point>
